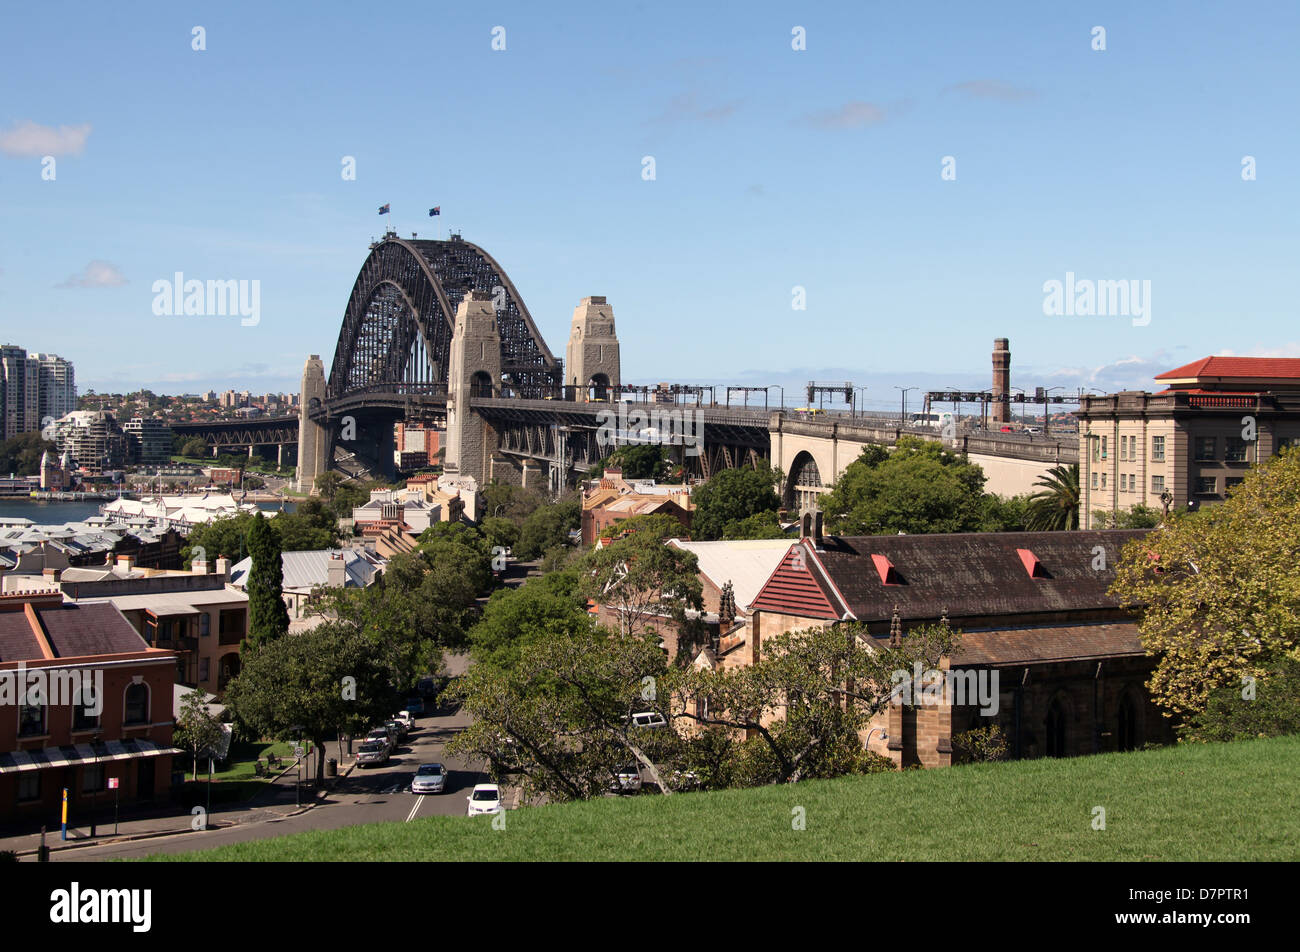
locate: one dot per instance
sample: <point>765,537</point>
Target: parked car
<point>485,798</point>
<point>430,778</point>
<point>648,719</point>
<point>627,779</point>
<point>384,735</point>
<point>399,725</point>
<point>372,752</point>
<point>415,706</point>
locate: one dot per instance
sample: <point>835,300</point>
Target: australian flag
<point>435,210</point>
<point>383,209</point>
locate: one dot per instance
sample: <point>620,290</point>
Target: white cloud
<point>97,274</point>
<point>851,115</point>
<point>992,89</point>
<point>29,139</point>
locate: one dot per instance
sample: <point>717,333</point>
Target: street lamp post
<point>902,413</point>
<point>94,791</point>
<point>855,393</point>
<point>782,389</point>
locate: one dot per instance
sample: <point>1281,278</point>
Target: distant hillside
<point>1193,802</point>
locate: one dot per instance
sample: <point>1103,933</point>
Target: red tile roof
<point>1248,367</point>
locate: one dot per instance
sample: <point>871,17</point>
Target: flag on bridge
<point>383,209</point>
<point>435,210</point>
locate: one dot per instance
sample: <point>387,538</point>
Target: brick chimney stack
<point>1001,408</point>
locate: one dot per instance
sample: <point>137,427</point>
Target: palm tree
<point>1056,506</point>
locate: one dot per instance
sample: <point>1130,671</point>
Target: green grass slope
<point>1194,802</point>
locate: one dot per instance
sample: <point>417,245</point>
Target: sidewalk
<point>279,799</point>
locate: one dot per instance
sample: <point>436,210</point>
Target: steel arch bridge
<point>397,327</point>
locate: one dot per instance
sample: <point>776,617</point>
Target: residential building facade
<point>1190,444</point>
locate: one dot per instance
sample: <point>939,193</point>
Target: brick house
<point>46,747</point>
<point>1035,617</point>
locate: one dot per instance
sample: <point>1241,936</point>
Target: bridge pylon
<point>591,359</point>
<point>474,371</point>
<point>313,438</point>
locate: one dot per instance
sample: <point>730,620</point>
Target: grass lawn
<point>1194,802</point>
<point>238,779</point>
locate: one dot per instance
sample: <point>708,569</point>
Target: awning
<point>75,755</point>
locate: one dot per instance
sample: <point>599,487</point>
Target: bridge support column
<point>474,370</point>
<point>313,439</point>
<point>279,454</point>
<point>591,359</point>
<point>532,476</point>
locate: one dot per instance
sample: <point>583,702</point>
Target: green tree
<point>547,526</point>
<point>562,717</point>
<point>1004,513</point>
<point>1266,707</point>
<point>919,487</point>
<point>516,617</point>
<point>503,501</point>
<point>1055,507</point>
<point>808,696</point>
<point>197,729</point>
<point>500,532</point>
<point>268,618</point>
<point>1136,516</point>
<point>635,460</point>
<point>733,496</point>
<point>1218,591</point>
<point>761,525</point>
<point>195,448</point>
<point>327,484</point>
<point>640,579</point>
<point>316,683</point>
<point>21,455</point>
<point>308,528</point>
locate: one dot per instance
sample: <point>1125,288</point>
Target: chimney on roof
<point>52,574</point>
<point>223,566</point>
<point>126,562</point>
<point>199,566</point>
<point>336,573</point>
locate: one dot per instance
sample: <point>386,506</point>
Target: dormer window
<point>885,569</point>
<point>1032,565</point>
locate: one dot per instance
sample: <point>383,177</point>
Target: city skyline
<point>776,169</point>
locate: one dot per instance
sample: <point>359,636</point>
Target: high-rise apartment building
<point>34,388</point>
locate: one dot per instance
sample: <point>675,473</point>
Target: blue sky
<point>775,168</point>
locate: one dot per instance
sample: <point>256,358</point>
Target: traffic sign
<point>112,783</point>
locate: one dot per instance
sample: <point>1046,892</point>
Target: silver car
<point>372,753</point>
<point>430,778</point>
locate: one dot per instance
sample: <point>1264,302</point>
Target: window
<point>1284,442</point>
<point>1094,480</point>
<point>1157,449</point>
<point>205,624</point>
<point>1157,484</point>
<point>137,704</point>
<point>1205,447</point>
<point>1234,450</point>
<point>1123,480</point>
<point>1232,482</point>
<point>205,668</point>
<point>1123,448</point>
<point>1207,485</point>
<point>1103,480</point>
<point>1103,447</point>
<point>29,785</point>
<point>31,720</point>
<point>83,721</point>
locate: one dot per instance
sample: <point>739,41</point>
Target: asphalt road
<point>368,795</point>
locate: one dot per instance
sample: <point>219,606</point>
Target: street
<point>367,795</point>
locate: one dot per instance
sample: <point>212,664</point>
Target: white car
<point>429,778</point>
<point>485,798</point>
<point>627,779</point>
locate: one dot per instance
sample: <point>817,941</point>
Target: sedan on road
<point>371,753</point>
<point>486,798</point>
<point>430,778</point>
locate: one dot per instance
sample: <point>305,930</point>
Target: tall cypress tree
<point>268,618</point>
